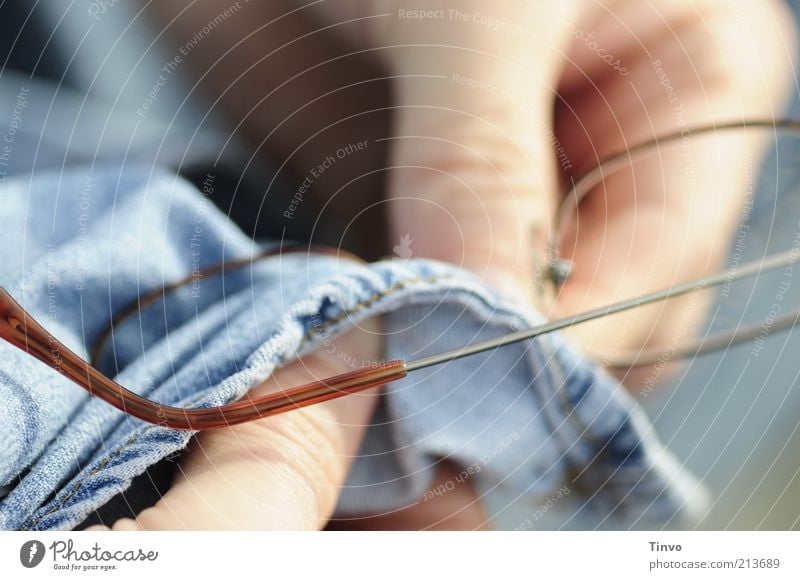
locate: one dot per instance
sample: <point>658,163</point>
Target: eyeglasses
<point>20,329</point>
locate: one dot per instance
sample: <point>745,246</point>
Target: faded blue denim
<point>79,245</point>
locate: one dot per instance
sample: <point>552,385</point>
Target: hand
<point>672,217</point>
<point>281,472</point>
<point>484,97</point>
<point>498,105</point>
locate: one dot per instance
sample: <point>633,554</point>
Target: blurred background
<point>86,70</point>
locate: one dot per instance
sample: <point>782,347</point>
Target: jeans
<point>81,244</point>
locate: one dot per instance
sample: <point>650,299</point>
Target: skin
<point>474,181</point>
<point>285,472</point>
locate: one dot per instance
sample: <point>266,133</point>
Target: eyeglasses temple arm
<point>20,329</point>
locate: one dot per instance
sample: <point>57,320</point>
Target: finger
<point>473,176</point>
<point>469,192</point>
<point>282,472</point>
<point>668,218</point>
<point>457,509</point>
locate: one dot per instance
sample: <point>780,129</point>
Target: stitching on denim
<point>568,406</point>
<point>116,453</point>
<point>359,306</point>
<point>608,479</point>
<point>79,484</point>
<point>100,467</point>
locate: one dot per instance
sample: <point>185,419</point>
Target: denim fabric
<point>80,245</point>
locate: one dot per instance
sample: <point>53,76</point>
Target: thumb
<point>469,191</point>
<point>473,177</point>
<point>280,472</point>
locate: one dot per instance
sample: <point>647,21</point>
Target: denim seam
<point>366,303</point>
<point>569,408</point>
<point>310,334</point>
<point>608,479</point>
<point>79,484</point>
<point>101,466</point>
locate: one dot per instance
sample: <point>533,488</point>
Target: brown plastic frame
<point>20,329</point>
